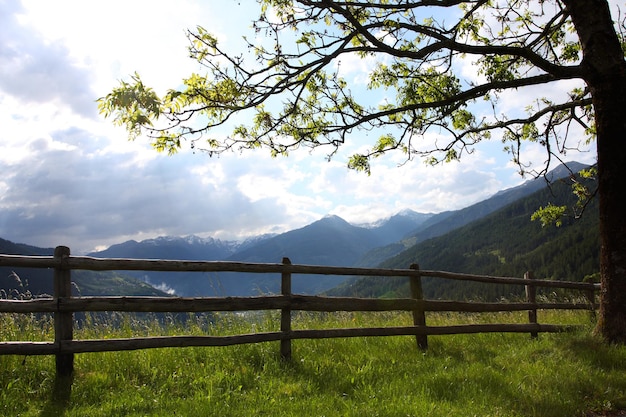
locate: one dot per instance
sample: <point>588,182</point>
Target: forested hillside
<point>328,241</point>
<point>442,223</point>
<point>496,238</point>
<point>504,243</point>
<point>18,282</point>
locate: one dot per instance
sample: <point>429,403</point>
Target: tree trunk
<point>605,75</point>
<point>609,103</point>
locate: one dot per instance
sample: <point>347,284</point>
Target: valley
<point>495,236</point>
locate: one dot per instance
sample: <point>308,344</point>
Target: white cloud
<point>38,70</point>
<point>70,177</point>
<point>390,188</point>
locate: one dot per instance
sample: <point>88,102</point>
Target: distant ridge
<point>38,281</point>
<point>444,222</point>
<point>168,247</point>
<point>328,241</point>
<point>503,243</point>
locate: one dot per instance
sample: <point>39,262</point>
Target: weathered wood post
<point>63,321</point>
<point>285,314</point>
<point>419,315</point>
<point>531,297</point>
<point>591,298</point>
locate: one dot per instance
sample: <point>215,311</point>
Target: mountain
<point>398,226</point>
<point>447,221</point>
<point>328,241</point>
<point>503,243</point>
<point>442,223</point>
<point>191,248</point>
<point>9,248</point>
<point>167,247</point>
<point>17,282</point>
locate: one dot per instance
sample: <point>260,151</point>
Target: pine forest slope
<point>504,243</point>
<point>447,221</point>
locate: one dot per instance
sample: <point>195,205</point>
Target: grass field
<point>466,375</point>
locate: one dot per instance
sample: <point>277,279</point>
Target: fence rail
<point>63,305</point>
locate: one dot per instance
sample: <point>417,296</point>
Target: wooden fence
<point>63,305</point>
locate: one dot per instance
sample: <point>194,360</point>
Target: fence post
<point>285,314</point>
<point>591,298</point>
<point>63,321</point>
<point>419,315</point>
<point>531,297</point>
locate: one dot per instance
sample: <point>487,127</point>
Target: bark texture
<point>605,74</point>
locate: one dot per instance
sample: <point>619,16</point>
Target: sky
<point>70,177</point>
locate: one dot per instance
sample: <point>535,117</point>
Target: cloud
<point>36,71</point>
<point>395,185</point>
<point>71,178</point>
<point>64,190</point>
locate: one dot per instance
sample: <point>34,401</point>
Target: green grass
<point>464,375</point>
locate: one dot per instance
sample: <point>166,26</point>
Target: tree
<point>294,96</point>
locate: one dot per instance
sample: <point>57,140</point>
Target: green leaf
<point>385,143</point>
<point>549,214</point>
<point>359,162</point>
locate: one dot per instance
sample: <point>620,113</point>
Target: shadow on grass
<point>608,361</point>
<point>510,376</point>
<point>59,399</point>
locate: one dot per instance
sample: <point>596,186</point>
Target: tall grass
<point>466,375</point>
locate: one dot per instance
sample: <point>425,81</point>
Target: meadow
<point>565,374</point>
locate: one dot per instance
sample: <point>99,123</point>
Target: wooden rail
<point>63,305</point>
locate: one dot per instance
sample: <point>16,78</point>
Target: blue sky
<point>71,178</point>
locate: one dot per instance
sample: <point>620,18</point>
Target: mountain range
<point>328,241</point>
<point>502,243</point>
<point>28,282</point>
